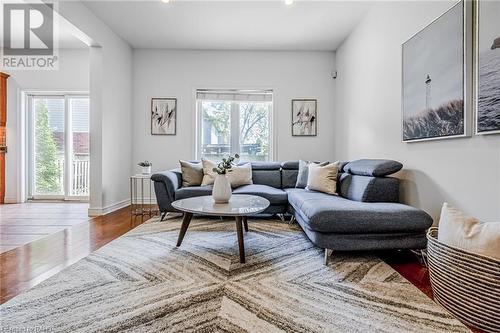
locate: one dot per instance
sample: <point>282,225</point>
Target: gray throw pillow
<point>304,172</point>
<point>192,173</point>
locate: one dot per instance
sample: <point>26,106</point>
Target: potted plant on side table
<point>145,167</point>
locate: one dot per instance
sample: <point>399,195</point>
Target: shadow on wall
<point>411,181</point>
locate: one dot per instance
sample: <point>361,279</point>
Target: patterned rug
<point>142,283</point>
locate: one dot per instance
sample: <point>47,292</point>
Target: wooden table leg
<point>239,231</point>
<point>186,219</point>
<point>245,223</point>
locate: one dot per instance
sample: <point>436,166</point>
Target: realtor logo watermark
<point>28,37</point>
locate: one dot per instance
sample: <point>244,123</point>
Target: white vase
<point>146,170</point>
<point>222,189</point>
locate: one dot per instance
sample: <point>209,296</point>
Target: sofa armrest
<point>166,183</point>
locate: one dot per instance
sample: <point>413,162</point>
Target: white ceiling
<point>67,39</point>
<point>232,25</point>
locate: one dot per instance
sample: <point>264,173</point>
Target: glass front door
<point>59,147</point>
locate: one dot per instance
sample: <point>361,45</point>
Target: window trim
<point>235,124</point>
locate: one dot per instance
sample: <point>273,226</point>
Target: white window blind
<point>235,95</point>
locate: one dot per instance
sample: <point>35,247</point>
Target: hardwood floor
<point>24,223</point>
<point>27,265</point>
<point>71,236</point>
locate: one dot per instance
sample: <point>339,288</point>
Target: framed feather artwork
<point>304,117</point>
<point>163,116</point>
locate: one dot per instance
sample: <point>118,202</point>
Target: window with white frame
<point>234,121</point>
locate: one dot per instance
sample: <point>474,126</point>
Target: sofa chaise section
<point>340,215</point>
<point>341,224</point>
<point>364,215</point>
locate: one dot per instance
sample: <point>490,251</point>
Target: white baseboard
<point>98,211</point>
<point>10,200</point>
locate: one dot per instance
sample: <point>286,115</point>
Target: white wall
<point>73,75</point>
<point>160,73</point>
<point>464,172</point>
<point>110,109</point>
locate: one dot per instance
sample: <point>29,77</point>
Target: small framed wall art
<point>304,117</point>
<point>163,116</point>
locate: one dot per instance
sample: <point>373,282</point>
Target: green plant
<point>145,163</point>
<point>47,169</point>
<point>225,165</point>
<point>218,115</point>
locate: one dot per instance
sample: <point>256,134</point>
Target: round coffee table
<point>239,206</point>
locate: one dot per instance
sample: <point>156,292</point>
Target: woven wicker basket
<point>466,284</point>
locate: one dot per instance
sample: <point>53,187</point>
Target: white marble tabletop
<point>238,205</point>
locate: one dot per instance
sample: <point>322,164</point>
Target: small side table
<point>140,206</point>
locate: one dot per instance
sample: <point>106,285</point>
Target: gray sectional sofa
<point>365,215</point>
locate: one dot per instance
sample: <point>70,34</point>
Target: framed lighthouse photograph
<point>487,67</point>
<point>434,79</point>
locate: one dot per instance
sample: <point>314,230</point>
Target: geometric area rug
<point>141,282</point>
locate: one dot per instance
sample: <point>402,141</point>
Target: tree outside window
<point>252,137</point>
<point>48,172</point>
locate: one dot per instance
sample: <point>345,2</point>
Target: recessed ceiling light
<point>165,1</point>
<point>288,2</point>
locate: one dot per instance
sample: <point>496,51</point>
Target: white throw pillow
<point>208,173</point>
<point>304,172</point>
<point>468,233</point>
<point>241,174</point>
<point>323,178</point>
